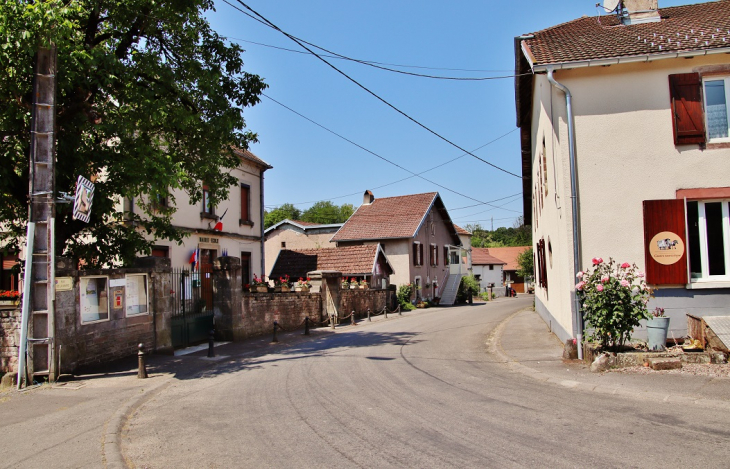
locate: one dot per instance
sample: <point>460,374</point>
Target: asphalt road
<point>417,391</point>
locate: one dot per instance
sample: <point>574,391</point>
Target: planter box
<point>301,289</point>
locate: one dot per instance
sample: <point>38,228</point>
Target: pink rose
<point>579,285</point>
<point>640,275</point>
<point>580,274</point>
<point>625,265</point>
<point>597,260</point>
<point>599,287</point>
<point>624,283</point>
<point>605,279</point>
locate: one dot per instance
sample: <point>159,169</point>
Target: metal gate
<point>192,311</point>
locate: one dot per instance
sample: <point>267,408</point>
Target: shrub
<point>613,299</point>
<point>404,296</point>
<point>468,282</point>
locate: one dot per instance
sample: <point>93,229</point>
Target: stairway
<point>448,295</point>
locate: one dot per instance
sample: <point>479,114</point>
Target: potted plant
<point>9,297</point>
<point>657,327</point>
<point>354,283</point>
<point>302,285</point>
<point>363,284</point>
<point>259,285</point>
<point>614,299</point>
<point>344,283</point>
<point>282,284</point>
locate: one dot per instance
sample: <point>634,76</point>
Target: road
<point>418,391</point>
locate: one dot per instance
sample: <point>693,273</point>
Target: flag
<point>194,259</point>
<point>219,226</point>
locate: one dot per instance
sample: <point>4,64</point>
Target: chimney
<point>640,11</point>
<point>368,198</point>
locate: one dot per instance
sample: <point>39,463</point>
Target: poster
<point>94,299</point>
<point>135,295</point>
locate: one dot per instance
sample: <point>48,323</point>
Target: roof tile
<point>350,260</point>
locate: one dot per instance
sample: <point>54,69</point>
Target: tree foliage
<point>281,213</point>
<point>325,212</point>
<point>149,98</point>
<point>526,261</point>
<point>518,235</point>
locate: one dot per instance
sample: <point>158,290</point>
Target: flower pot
<point>656,332</point>
<point>284,288</point>
<point>261,289</point>
<point>9,302</point>
<point>353,287</point>
<point>302,289</point>
<point>363,287</point>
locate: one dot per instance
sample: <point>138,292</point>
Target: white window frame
<point>127,300</point>
<point>726,79</point>
<point>704,251</point>
<point>83,281</point>
<point>418,260</point>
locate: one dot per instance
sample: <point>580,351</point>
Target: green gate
<point>192,313</point>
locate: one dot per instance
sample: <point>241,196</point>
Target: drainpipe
<point>261,204</point>
<point>577,316</point>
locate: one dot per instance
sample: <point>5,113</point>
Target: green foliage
<point>405,292</point>
<point>281,213</point>
<point>325,212</point>
<point>485,296</point>
<point>526,261</point>
<point>149,98</point>
<point>519,235</point>
<point>468,283</point>
<point>613,299</point>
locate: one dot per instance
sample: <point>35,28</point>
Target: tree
<point>518,235</point>
<point>283,212</point>
<point>325,212</point>
<point>149,98</point>
<point>526,261</point>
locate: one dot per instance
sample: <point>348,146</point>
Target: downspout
<point>577,316</point>
<point>261,221</point>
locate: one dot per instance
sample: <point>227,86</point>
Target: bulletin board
<point>94,299</point>
<point>135,295</point>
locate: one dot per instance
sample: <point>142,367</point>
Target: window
<point>708,235</point>
<point>417,253</point>
<point>94,299</point>
<point>245,203</point>
<point>246,267</point>
<point>283,245</point>
<point>135,295</point>
<point>717,98</point>
<point>434,255</point>
<point>207,205</point>
<point>161,251</point>
<point>446,255</point>
<point>491,267</point>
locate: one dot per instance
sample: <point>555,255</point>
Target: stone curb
<point>494,346</point>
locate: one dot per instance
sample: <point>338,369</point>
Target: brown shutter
<point>420,254</point>
<point>665,216</point>
<point>244,203</point>
<point>688,120</point>
<point>446,255</point>
<point>415,253</point>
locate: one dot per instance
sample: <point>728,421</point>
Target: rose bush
<point>613,299</point>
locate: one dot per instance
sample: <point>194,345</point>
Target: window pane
<point>716,109</point>
<point>715,242</point>
<point>693,237</point>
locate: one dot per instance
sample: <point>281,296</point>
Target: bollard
<point>385,310</point>
<point>276,325</point>
<point>353,320</point>
<point>142,372</point>
<point>211,337</point>
<point>306,325</point>
<point>400,313</point>
<point>332,321</point>
<point>369,320</point>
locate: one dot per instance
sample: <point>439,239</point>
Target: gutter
<point>577,316</point>
<point>617,60</point>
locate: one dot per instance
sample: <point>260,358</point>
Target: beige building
<point>296,235</point>
<point>629,112</point>
<point>235,227</point>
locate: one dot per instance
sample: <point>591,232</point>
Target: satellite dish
<point>610,5</point>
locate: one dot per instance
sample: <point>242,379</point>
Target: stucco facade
<point>296,235</point>
<point>625,155</point>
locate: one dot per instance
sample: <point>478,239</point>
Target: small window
<point>245,203</point>
<point>207,205</point>
<point>135,295</point>
<point>94,299</point>
<point>717,98</point>
<point>708,231</point>
<point>417,253</point>
<point>161,251</point>
<point>283,245</point>
<point>491,267</point>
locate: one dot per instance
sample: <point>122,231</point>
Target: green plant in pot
<point>613,298</point>
<point>657,327</point>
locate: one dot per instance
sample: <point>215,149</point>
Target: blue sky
<point>463,39</point>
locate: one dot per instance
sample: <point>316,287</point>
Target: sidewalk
<point>524,342</point>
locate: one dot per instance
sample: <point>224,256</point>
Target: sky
<point>331,138</point>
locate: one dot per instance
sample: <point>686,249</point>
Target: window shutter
<point>688,120</point>
<point>415,253</point>
<point>436,255</point>
<point>446,255</point>
<point>420,254</point>
<point>665,259</point>
<point>244,203</point>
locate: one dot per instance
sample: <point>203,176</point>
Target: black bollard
<point>142,371</point>
<point>332,321</point>
<point>306,325</point>
<point>400,313</point>
<point>211,337</point>
<point>385,310</point>
<point>352,319</point>
<point>276,325</point>
<point>369,320</point>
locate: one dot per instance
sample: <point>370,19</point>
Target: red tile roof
<point>389,217</point>
<point>247,155</point>
<point>481,256</point>
<point>507,254</point>
<point>461,231</point>
<point>350,260</point>
<point>703,26</point>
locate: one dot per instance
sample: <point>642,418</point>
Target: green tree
<point>283,212</point>
<point>518,235</point>
<point>149,98</point>
<point>468,283</point>
<point>526,261</point>
<point>326,212</point>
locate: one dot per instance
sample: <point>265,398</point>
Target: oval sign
<point>666,248</point>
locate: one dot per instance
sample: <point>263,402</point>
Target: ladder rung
<point>45,163</point>
<point>40,311</point>
<point>44,104</point>
<point>41,193</point>
<point>42,282</point>
<point>40,253</point>
<point>44,340</point>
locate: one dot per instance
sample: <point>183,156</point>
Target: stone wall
<point>260,310</point>
<point>9,338</point>
<point>362,300</point>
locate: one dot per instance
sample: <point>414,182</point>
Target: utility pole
<point>37,327</point>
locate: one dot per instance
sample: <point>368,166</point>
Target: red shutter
<point>244,203</point>
<point>688,120</point>
<point>665,216</point>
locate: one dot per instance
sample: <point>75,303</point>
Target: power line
<point>364,88</point>
<point>392,162</point>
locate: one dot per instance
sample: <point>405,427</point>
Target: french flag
<point>194,258</point>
